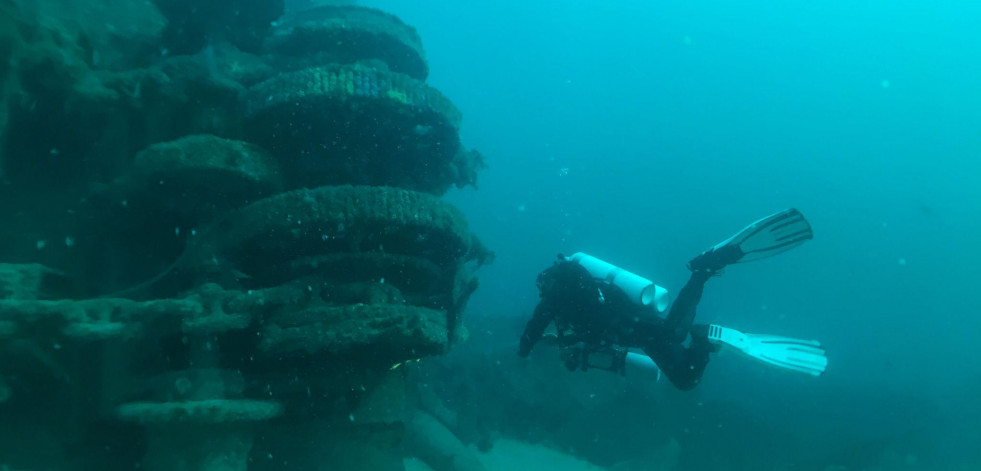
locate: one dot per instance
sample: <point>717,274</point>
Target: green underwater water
<point>264,235</point>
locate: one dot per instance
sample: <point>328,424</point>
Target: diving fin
<point>767,237</point>
<point>805,356</point>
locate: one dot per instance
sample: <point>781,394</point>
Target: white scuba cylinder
<point>640,361</point>
<point>639,289</point>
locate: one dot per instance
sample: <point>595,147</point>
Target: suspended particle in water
<point>686,40</point>
<point>884,84</point>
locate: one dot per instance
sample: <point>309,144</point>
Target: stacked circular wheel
<point>345,35</point>
<point>274,274</point>
<point>356,124</point>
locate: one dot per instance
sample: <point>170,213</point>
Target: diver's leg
<point>683,366</point>
<point>682,314</point>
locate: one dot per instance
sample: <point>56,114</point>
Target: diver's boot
<point>715,259</point>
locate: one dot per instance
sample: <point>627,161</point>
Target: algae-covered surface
<point>189,280</point>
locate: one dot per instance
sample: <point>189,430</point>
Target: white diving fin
<point>805,356</point>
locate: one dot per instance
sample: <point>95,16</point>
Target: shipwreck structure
<point>218,258</point>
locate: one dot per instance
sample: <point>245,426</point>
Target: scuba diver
<point>601,311</point>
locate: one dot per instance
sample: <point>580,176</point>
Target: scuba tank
<point>639,290</point>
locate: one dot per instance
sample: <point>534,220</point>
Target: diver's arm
<point>536,327</point>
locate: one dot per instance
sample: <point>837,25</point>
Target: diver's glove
<point>524,347</point>
<point>575,357</point>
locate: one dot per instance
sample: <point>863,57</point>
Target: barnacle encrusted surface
<point>354,219</point>
<point>410,274</point>
<point>92,319</point>
<point>208,157</point>
<point>161,295</point>
<point>351,81</point>
<point>290,312</point>
<point>386,332</point>
<point>200,175</point>
<point>358,125</point>
<point>32,281</point>
<point>346,34</point>
<point>208,411</point>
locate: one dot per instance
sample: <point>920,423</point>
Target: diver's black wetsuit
<point>599,315</point>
